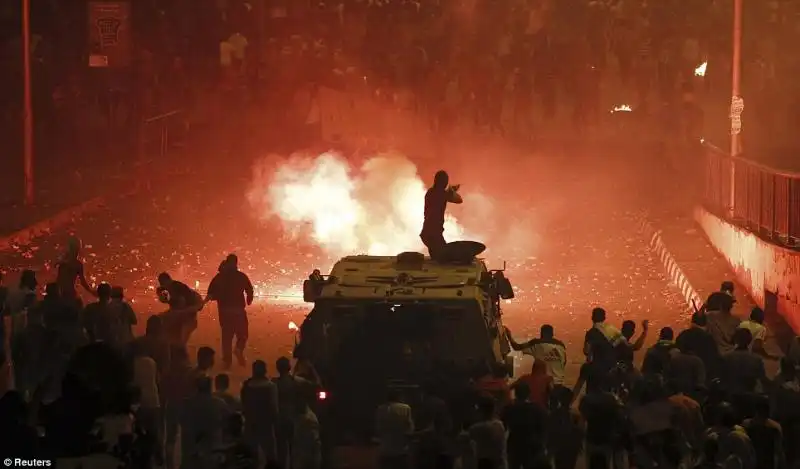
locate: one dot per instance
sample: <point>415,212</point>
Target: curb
<point>26,235</point>
<point>676,275</point>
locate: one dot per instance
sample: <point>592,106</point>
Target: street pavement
<point>576,246</point>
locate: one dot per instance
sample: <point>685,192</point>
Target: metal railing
<point>765,200</point>
<point>157,134</point>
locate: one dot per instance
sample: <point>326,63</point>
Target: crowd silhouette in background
<point>542,55</point>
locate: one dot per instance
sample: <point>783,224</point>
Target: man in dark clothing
<point>603,341</point>
<point>606,425</point>
<point>260,409</point>
<point>233,291</point>
<point>290,388</point>
<point>184,304</point>
<point>436,200</point>
<point>743,370</point>
<point>180,294</point>
<point>525,422</point>
<point>657,357</point>
<point>97,316</point>
<point>698,342</point>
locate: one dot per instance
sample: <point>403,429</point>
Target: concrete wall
<point>771,273</point>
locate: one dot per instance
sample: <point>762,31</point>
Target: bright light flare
<point>622,108</point>
<point>293,326</point>
<point>376,209</point>
<point>700,71</point>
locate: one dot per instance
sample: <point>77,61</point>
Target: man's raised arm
<point>453,196</point>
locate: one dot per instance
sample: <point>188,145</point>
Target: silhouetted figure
<point>233,291</point>
<point>184,304</point>
<point>70,271</point>
<point>436,200</point>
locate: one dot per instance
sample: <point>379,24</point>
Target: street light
<point>27,116</point>
<point>737,103</point>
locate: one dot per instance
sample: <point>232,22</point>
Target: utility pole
<point>27,118</point>
<point>737,104</point>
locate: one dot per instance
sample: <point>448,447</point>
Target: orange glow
<point>293,326</point>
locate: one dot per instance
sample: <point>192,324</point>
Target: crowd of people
<point>79,384</point>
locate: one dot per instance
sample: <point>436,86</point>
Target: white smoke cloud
<point>376,208</point>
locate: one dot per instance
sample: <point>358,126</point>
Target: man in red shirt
<point>495,385</point>
<point>539,382</point>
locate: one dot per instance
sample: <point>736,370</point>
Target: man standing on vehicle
<point>436,200</point>
<point>233,292</point>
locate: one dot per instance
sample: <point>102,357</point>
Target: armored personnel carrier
<point>401,322</point>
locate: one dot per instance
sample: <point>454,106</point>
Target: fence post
<point>774,226</point>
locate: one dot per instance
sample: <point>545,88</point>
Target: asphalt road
<point>569,227</point>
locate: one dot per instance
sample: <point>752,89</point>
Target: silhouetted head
<point>74,245</point>
<point>232,261</point>
<point>727,287</point>
<point>164,279</point>
<point>205,358</point>
<point>719,301</point>
<point>598,315</point>
<point>699,319</point>
<point>28,279</point>
<point>546,332</point>
<point>742,338</point>
<point>761,407</point>
<point>283,365</point>
<point>104,292</point>
<point>628,329</point>
<point>117,293</point>
<point>222,382</point>
<point>441,180</point>
<point>757,315</point>
<point>259,369</point>
<point>666,333</point>
<point>52,291</point>
<point>728,417</point>
<point>522,392</point>
<point>154,326</point>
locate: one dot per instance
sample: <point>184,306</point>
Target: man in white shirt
<point>394,427</point>
<point>546,348</point>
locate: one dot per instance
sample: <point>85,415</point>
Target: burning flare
<point>700,71</point>
<point>293,326</point>
<point>622,108</point>
<point>376,209</point>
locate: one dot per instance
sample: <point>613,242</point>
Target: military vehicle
<point>402,321</point>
